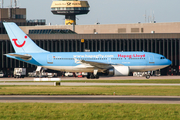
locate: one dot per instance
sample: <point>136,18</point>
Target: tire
<point>147,76</point>
<point>92,76</point>
<point>88,77</point>
<point>97,77</point>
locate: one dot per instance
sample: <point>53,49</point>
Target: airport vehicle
<point>81,74</point>
<point>111,63</point>
<point>41,72</point>
<point>19,72</point>
<point>68,74</point>
<point>1,74</point>
<point>77,74</point>
<point>32,74</point>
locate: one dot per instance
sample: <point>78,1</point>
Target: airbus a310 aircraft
<point>112,63</point>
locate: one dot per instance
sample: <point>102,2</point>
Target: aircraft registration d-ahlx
<point>112,63</point>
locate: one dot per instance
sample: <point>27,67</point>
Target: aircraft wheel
<point>88,77</point>
<point>92,76</point>
<point>147,76</point>
<point>97,77</point>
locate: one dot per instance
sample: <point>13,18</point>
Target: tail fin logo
<point>15,42</point>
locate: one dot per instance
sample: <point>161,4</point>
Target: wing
<point>96,65</point>
<point>24,57</point>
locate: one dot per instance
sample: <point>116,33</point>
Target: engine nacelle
<point>119,71</point>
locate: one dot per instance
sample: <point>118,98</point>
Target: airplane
<point>111,63</point>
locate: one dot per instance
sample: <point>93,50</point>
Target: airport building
<point>166,44</point>
<point>161,38</point>
<point>17,15</point>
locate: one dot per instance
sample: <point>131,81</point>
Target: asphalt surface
<point>30,81</point>
<point>101,78</point>
<point>90,99</point>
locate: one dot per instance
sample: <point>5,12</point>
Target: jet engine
<point>118,71</point>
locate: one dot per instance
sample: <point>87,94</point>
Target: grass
<point>85,111</point>
<point>91,90</point>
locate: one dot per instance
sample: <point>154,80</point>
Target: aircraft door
<point>109,60</point>
<point>50,59</point>
<point>151,59</point>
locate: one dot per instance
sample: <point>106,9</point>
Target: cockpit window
<point>162,58</point>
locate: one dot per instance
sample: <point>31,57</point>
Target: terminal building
<point>161,38</point>
<point>166,44</point>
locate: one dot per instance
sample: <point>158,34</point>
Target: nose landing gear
<point>147,76</point>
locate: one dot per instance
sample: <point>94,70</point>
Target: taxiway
<point>89,99</point>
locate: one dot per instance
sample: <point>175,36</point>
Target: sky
<point>107,11</point>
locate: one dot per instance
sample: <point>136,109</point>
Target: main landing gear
<point>93,75</point>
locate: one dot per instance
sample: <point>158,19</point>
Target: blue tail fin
<point>20,41</point>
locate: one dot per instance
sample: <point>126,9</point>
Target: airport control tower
<point>70,8</point>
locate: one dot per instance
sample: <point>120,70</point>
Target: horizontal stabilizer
<point>24,57</point>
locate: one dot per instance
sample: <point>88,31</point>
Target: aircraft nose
<point>169,62</point>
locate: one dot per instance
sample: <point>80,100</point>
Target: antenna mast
<point>11,4</point>
<point>145,16</point>
<point>153,17</point>
<point>2,3</point>
<point>15,2</point>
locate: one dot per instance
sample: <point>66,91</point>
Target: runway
<point>90,99</point>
